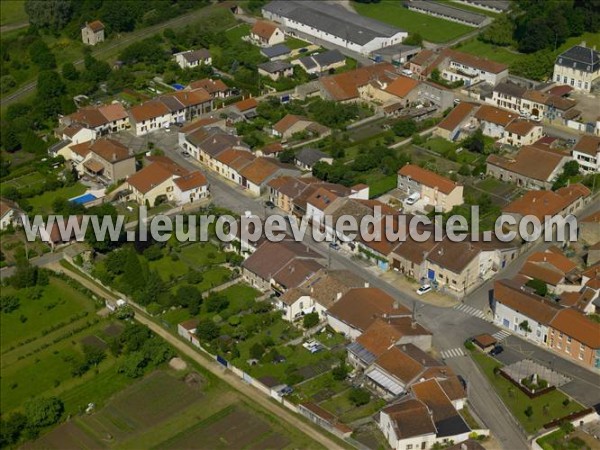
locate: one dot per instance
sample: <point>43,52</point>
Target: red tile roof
<point>578,326</point>
<point>110,150</point>
<point>95,26</point>
<point>521,127</point>
<point>488,113</point>
<point>401,86</point>
<point>588,144</point>
<point>344,86</point>
<point>245,105</point>
<point>259,170</point>
<point>457,116</point>
<point>149,177</point>
<point>192,180</point>
<point>264,29</point>
<point>148,110</point>
<point>546,203</point>
<point>428,178</point>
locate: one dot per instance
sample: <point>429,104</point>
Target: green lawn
<point>557,441</point>
<point>499,54</point>
<point>236,33</point>
<point>213,277</point>
<point>167,268</point>
<point>517,402</point>
<point>58,303</point>
<point>13,12</point>
<point>202,254</point>
<point>42,204</point>
<point>293,43</point>
<point>344,409</point>
<point>430,28</point>
<point>380,184</point>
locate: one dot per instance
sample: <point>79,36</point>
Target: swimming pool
<point>178,86</point>
<point>83,199</point>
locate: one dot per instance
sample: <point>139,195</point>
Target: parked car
<point>269,204</point>
<point>496,350</point>
<point>424,289</point>
<point>185,154</point>
<point>456,101</point>
<point>334,245</point>
<point>287,390</point>
<point>303,50</point>
<point>412,198</point>
<point>463,382</point>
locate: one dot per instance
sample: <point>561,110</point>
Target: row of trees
<point>538,25</point>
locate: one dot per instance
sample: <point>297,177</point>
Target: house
<point>382,335</point>
<point>499,6</point>
<point>256,175</point>
<point>459,119</point>
<point>150,116</point>
<point>485,342</point>
<point>553,268</point>
<point>324,419</point>
<point>578,67</point>
<point>187,330</point>
<point>92,33</point>
<point>292,124</point>
<point>546,204</point>
<point>276,52</point>
<point>215,88</point>
<point>270,266</point>
<point>284,190</point>
<point>575,337</point>
<point>422,419</point>
<point>532,167</point>
<point>276,69</point>
<point>587,154</point>
<point>91,122</point>
<point>107,159</point>
<point>493,121</point>
<point>454,265</point>
<point>62,231</point>
<point>266,34</point>
<point>306,158</point>
<point>317,293</point>
<point>10,214</point>
<point>321,62</point>
<point>334,24</point>
<point>589,228</point>
<point>358,308</point>
<point>193,58</point>
<point>163,179</point>
<point>434,93</point>
<point>521,132</point>
<point>397,368</point>
<point>435,190</point>
<point>246,107</point>
<point>395,94</point>
<point>459,66</point>
<point>205,145</point>
<point>408,257</point>
<point>508,95</point>
<point>448,12</point>
<point>345,86</point>
<point>519,310</point>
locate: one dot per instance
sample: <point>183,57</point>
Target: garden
<point>532,413</point>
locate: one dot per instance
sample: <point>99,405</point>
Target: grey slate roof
<point>310,156</point>
<point>196,55</point>
<point>447,10</point>
<point>580,58</point>
<point>502,5</point>
<point>512,89</point>
<point>172,103</point>
<point>274,66</point>
<point>328,57</point>
<point>275,51</point>
<point>308,62</point>
<point>332,19</point>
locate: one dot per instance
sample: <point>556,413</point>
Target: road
<point>235,382</point>
<point>118,43</point>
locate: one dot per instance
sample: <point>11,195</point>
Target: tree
<point>340,372</point>
<point>9,303</point>
<point>539,286</point>
<point>413,39</point>
<point>121,16</point>
<point>11,428</point>
<point>187,295</point>
<point>528,412</point>
<point>133,275</point>
<point>359,396</point>
<point>69,72</point>
<point>52,14</point>
<point>566,427</point>
<point>216,302</point>
<point>405,127</point>
<point>475,142</point>
<point>93,355</point>
<point>41,55</point>
<point>43,412</point>
<point>207,330</point>
<point>133,365</point>
<point>524,326</point>
<point>310,320</point>
<point>499,32</point>
<point>10,140</point>
<point>287,156</point>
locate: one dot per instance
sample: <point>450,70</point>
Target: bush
<point>340,372</point>
<point>469,344</point>
<point>310,320</point>
<point>359,396</point>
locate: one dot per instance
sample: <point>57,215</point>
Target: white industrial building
<point>333,24</point>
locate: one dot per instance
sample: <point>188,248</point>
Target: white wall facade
<point>510,319</point>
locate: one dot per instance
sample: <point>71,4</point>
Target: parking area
<point>159,139</point>
<point>527,368</point>
<point>588,105</point>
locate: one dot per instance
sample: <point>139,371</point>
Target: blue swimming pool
<point>83,199</point>
<point>178,86</point>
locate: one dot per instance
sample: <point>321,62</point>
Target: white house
<point>522,312</point>
<point>10,214</point>
<point>266,34</point>
<point>587,153</point>
<point>320,21</point>
<point>193,58</point>
<point>150,116</point>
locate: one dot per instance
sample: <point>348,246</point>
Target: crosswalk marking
<point>470,310</point>
<point>501,335</point>
<point>452,353</point>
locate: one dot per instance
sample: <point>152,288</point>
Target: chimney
<point>366,284</point>
<point>583,44</point>
<point>114,157</point>
<point>338,296</point>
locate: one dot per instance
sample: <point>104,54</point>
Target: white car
<point>412,198</point>
<point>424,289</point>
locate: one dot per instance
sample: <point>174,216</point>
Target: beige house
<point>108,159</point>
<point>276,69</point>
<point>458,120</point>
<point>521,132</point>
<point>292,124</point>
<point>434,189</point>
<point>589,228</point>
<point>92,33</point>
<point>266,34</point>
<point>578,67</point>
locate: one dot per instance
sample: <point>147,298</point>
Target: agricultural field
<point>169,409</point>
<point>13,12</point>
<point>430,28</point>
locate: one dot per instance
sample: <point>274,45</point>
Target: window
<point>409,447</point>
<point>581,352</point>
<point>569,339</point>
